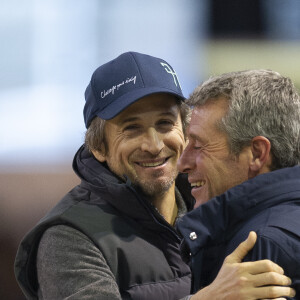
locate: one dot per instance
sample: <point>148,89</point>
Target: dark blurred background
<point>49,50</point>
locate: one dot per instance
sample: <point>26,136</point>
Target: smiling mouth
<point>152,164</point>
<point>197,184</point>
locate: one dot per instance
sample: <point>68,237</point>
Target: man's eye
<point>131,127</point>
<point>165,123</point>
<point>198,147</point>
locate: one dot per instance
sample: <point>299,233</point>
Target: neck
<point>166,205</point>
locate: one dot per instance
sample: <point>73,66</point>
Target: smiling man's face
<point>145,141</point>
<point>211,168</point>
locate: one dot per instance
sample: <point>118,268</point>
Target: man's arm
<point>247,280</point>
<point>70,266</point>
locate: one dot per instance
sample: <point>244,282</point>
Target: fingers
<point>241,251</point>
<point>261,266</point>
<point>271,292</point>
<point>256,267</point>
<point>270,278</point>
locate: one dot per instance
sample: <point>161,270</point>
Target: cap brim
<point>129,98</point>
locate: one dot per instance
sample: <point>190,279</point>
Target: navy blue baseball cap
<point>124,80</point>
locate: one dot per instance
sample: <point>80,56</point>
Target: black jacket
<point>140,247</point>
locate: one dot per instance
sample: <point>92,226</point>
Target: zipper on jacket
<point>155,214</point>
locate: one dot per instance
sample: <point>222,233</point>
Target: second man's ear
<point>261,155</point>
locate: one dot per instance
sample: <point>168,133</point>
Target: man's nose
<point>186,161</point>
<point>152,141</point>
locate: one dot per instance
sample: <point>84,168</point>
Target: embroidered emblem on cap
<point>193,235</point>
<point>170,71</point>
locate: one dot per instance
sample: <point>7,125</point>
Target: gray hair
<point>95,137</point>
<point>261,103</point>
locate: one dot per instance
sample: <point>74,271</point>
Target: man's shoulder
<point>278,235</point>
<point>279,221</point>
<point>281,246</point>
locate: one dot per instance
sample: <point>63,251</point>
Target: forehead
<point>205,117</point>
<point>152,105</point>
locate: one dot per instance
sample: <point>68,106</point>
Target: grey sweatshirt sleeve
<point>70,266</point>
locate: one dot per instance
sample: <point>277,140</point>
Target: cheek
<point>126,149</point>
<point>117,151</point>
<point>200,163</point>
<point>175,141</point>
<point>210,167</point>
<point>204,160</point>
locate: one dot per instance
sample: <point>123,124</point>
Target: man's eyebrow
<point>169,113</point>
<point>196,138</point>
<point>130,119</point>
<point>134,119</point>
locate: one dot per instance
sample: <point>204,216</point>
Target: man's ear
<point>261,156</point>
<point>99,155</point>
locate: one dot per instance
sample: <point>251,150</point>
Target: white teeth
<point>198,184</point>
<point>152,164</point>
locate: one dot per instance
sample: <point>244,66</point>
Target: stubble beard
<point>154,187</point>
<point>151,187</point>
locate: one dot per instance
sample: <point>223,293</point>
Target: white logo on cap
<point>170,71</point>
<point>117,86</point>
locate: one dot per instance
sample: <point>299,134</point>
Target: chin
<point>155,187</point>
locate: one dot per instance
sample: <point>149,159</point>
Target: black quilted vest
<point>140,247</point>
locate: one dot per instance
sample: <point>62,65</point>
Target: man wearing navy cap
<point>113,236</point>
